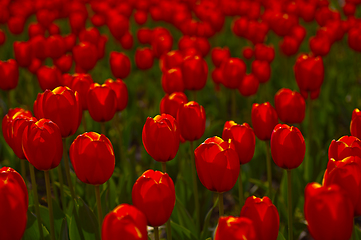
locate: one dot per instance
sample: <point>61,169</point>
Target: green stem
<point>52,180</point>
<point>99,206</point>
<point>233,103</point>
<point>84,121</point>
<point>36,199</point>
<point>240,188</point>
<point>308,163</point>
<point>194,95</point>
<point>156,233</point>
<point>195,187</point>
<point>289,194</point>
<point>50,205</point>
<point>269,169</point>
<point>23,170</point>
<point>60,177</point>
<point>220,204</point>
<point>67,169</point>
<point>9,99</point>
<point>164,167</point>
<point>103,129</point>
<point>169,229</point>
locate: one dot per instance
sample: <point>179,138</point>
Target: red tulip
<point>172,59</point>
<point>242,137</point>
<point>81,83</point>
<point>145,35</point>
<point>77,20</point>
<point>14,202</point>
<point>102,102</point>
<point>249,85</point>
<point>161,137</point>
<point>38,46</point>
<point>154,194</point>
<point>7,121</point>
<point>309,74</point>
<point>126,40</point>
<point>195,71</point>
<point>217,164</point>
<point>90,35</point>
<point>344,147</point>
<point>299,33</point>
<point>289,46</point>
<point>54,29</point>
<point>171,103</point>
<point>55,46</point>
<point>161,44</point>
<point>118,25</point>
<point>9,74</point>
<point>264,216</point>
<point>144,58</point>
<point>220,54</point>
<point>23,53</point>
<point>233,71</point>
<point>119,64</point>
<point>320,45</point>
<point>288,146</point>
<point>140,17</point>
<point>61,106</point>
<point>16,24</point>
<point>64,63</point>
<point>35,29</point>
<point>264,53</point>
<point>191,119</point>
<point>235,228</point>
<point>261,70</point>
<point>264,119</point>
<point>85,55</point>
<point>48,77</point>
<point>247,52</point>
<point>121,91</point>
<point>125,221</point>
<point>328,212</point>
<point>354,36</point>
<point>172,81</point>
<point>42,144</point>
<point>290,106</point>
<point>355,125</point>
<point>69,41</point>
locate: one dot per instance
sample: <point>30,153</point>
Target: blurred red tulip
<point>219,55</point>
<point>289,46</point>
<point>264,119</point>
<point>172,59</point>
<point>7,121</point>
<point>145,35</point>
<point>48,77</point>
<point>90,35</point>
<point>16,25</point>
<point>144,58</point>
<point>195,71</point>
<point>85,55</point>
<point>172,81</point>
<point>101,102</point>
<point>354,37</point>
<point>140,17</point>
<point>119,64</point>
<point>171,103</point>
<point>247,52</point>
<point>126,41</point>
<point>249,85</point>
<point>320,45</point>
<point>261,70</point>
<point>64,63</point>
<point>233,72</point>
<point>23,53</point>
<point>191,119</point>
<point>81,83</point>
<point>290,106</point>
<point>264,53</point>
<point>121,92</point>
<point>9,74</point>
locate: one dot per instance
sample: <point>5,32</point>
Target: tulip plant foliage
<point>180,119</point>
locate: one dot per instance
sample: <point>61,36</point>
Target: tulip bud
<point>191,119</point>
<point>288,146</point>
<point>242,137</point>
<point>161,137</point>
<point>144,58</point>
<point>9,74</point>
<point>102,102</point>
<point>249,85</point>
<point>8,119</point>
<point>172,59</point>
<point>92,157</point>
<point>171,103</point>
<point>121,92</point>
<point>328,212</point>
<point>235,228</point>
<point>85,55</point>
<point>233,72</point>
<point>125,221</point>
<point>264,119</point>
<point>264,53</point>
<point>172,81</point>
<point>264,216</point>
<point>154,194</point>
<point>42,144</point>
<point>23,53</point>
<point>355,125</point>
<point>48,77</point>
<point>14,202</point>
<point>217,164</point>
<point>119,64</point>
<point>261,70</point>
<point>290,106</point>
<point>219,55</point>
<point>345,147</point>
<point>195,71</point>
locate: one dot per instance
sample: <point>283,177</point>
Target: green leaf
<point>83,224</point>
<point>357,232</point>
<point>185,218</point>
<point>58,217</point>
<point>280,236</point>
<point>32,230</point>
<point>205,230</point>
<point>182,232</point>
<point>64,231</point>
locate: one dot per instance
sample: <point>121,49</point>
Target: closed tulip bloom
<point>14,202</point>
<point>171,103</point>
<point>102,102</point>
<point>195,72</point>
<point>261,70</point>
<point>23,53</point>
<point>125,222</point>
<point>161,137</point>
<point>48,77</point>
<point>9,74</point>
<point>309,73</point>
<point>121,91</point>
<point>288,146</point>
<point>233,71</point>
<point>344,147</point>
<point>85,55</point>
<point>119,64</point>
<point>61,106</point>
<point>217,164</point>
<point>264,216</point>
<point>235,228</point>
<point>172,81</point>
<point>172,59</point>
<point>249,85</point>
<point>144,58</point>
<point>290,106</point>
<point>328,212</point>
<point>219,55</point>
<point>242,137</point>
<point>42,144</point>
<point>92,157</point>
<point>81,83</point>
<point>264,119</point>
<point>191,118</point>
<point>154,194</point>
<point>64,63</point>
<point>7,121</point>
<point>355,125</point>
<point>264,53</point>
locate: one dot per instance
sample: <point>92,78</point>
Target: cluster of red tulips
<point>68,93</point>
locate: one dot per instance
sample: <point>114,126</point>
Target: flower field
<point>180,119</point>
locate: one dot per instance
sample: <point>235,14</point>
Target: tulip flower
<point>233,71</point>
<point>219,55</point>
<point>344,147</point>
<point>9,74</point>
<point>328,212</point>
<point>236,228</point>
<point>7,121</point>
<point>125,221</point>
<point>121,92</point>
<point>195,71</point>
<point>264,216</point>
<point>119,64</point>
<point>171,103</point>
<point>290,106</point>
<point>23,53</point>
<point>172,81</point>
<point>264,53</point>
<point>81,83</point>
<point>191,119</point>
<point>161,44</point>
<point>48,77</point>
<point>355,125</point>
<point>14,202</point>
<point>144,58</point>
<point>249,85</point>
<point>64,63</point>
<point>172,59</point>
<point>264,119</point>
<point>144,35</point>
<point>154,194</point>
<point>102,102</point>
<point>85,55</point>
<point>247,52</point>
